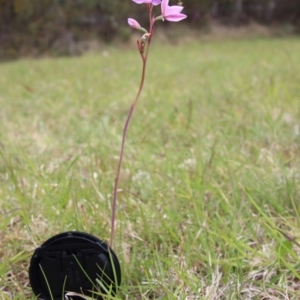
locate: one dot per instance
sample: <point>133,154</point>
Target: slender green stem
<point>114,206</point>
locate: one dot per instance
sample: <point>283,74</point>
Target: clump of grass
<point>208,196</point>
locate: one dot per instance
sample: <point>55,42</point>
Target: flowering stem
<point>170,13</point>
<point>114,206</point>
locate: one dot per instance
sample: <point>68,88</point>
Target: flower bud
<point>136,25</point>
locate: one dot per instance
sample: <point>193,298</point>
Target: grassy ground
<point>210,189</point>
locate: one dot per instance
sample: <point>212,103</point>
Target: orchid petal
<point>141,1</point>
<point>138,1</point>
<point>174,9</point>
<point>175,17</point>
<point>171,13</point>
<point>164,5</point>
<point>156,2</point>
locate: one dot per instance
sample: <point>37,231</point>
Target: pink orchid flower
<point>154,2</point>
<point>171,13</point>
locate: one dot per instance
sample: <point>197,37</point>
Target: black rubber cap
<point>71,262</point>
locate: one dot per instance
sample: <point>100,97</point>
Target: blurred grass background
<point>209,199</point>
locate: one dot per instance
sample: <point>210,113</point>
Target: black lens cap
<point>71,262</point>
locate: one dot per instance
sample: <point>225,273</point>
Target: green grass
<point>210,186</point>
